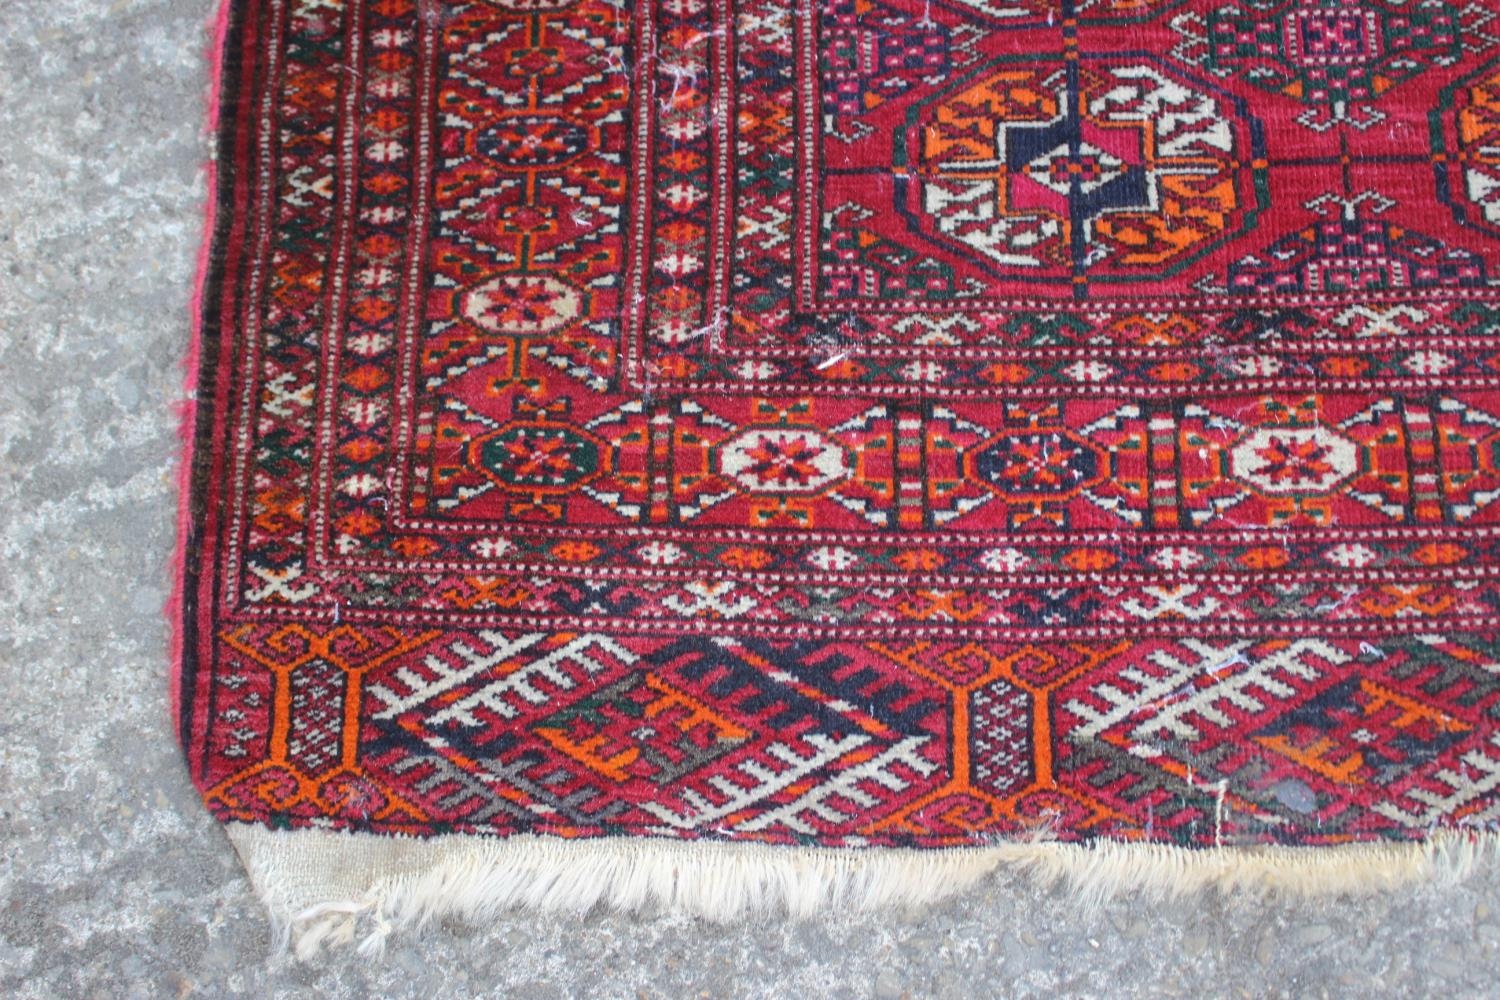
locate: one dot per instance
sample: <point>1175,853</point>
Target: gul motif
<point>1084,171</point>
<point>1293,461</point>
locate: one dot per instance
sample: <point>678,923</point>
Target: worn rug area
<point>775,452</point>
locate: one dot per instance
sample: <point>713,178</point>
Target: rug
<point>744,453</point>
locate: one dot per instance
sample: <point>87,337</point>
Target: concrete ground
<point>113,880</point>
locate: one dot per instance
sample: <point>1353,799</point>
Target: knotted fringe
<point>325,888</point>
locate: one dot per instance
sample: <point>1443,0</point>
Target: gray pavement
<point>113,880</point>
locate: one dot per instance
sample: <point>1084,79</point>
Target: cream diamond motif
<point>1088,166</point>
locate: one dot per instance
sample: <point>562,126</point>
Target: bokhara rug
<point>739,452</point>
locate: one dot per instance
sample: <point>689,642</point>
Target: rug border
<point>337,888</point>
<point>227,30</point>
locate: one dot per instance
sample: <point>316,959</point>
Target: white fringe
<point>325,888</point>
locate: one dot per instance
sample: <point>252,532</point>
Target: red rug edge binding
<point>185,407</point>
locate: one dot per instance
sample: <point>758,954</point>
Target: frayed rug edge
<point>339,889</point>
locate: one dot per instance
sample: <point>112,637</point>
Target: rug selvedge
<point>851,425</point>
